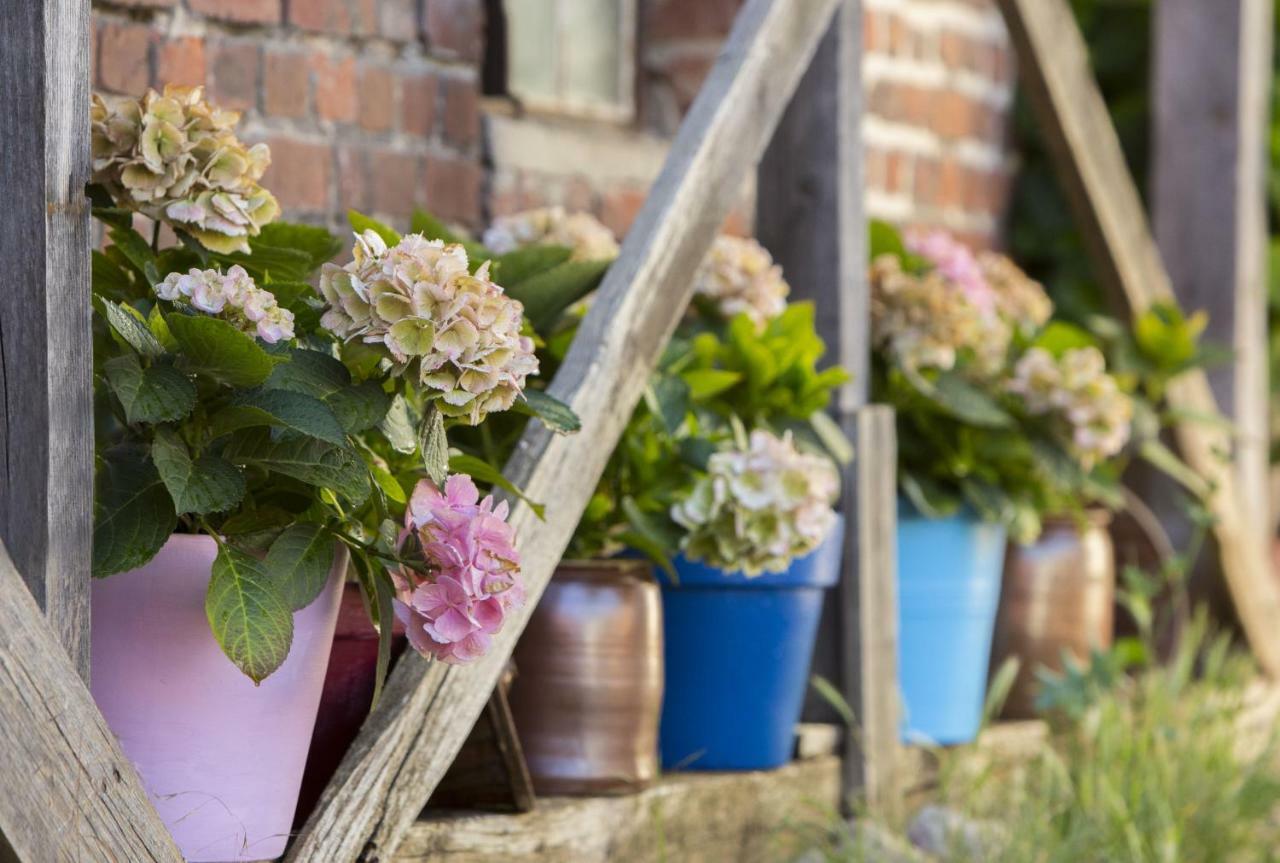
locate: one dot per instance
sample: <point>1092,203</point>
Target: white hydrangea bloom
<point>589,238</point>
<point>756,510</point>
<point>458,332</point>
<point>233,296</point>
<point>739,275</point>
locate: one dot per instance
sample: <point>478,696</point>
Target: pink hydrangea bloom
<point>452,611</point>
<point>956,263</point>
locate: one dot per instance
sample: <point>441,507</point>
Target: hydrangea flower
<point>589,239</point>
<point>1093,413</point>
<point>739,276</point>
<point>954,261</point>
<point>759,508</point>
<point>452,610</point>
<point>233,296</point>
<point>1019,299</point>
<point>458,332</point>
<point>175,157</point>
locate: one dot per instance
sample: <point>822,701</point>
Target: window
<point>572,56</point>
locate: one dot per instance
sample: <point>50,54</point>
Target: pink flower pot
<point>221,759</point>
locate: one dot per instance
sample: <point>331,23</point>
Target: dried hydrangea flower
<point>174,157</point>
<point>954,261</point>
<point>233,296</point>
<point>583,233</point>
<point>452,610</point>
<point>1093,414</point>
<point>1019,299</point>
<point>756,510</point>
<point>739,276</point>
<point>457,332</point>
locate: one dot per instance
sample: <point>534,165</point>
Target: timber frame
<point>80,799</point>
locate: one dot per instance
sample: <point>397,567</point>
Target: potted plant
<point>242,429</point>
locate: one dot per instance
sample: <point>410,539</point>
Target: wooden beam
<point>69,792</point>
<point>1054,66</point>
<point>427,709</point>
<point>46,401</point>
<point>1211,81</point>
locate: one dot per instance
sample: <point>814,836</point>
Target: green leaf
<point>434,445</point>
<point>207,484</point>
<point>513,268</point>
<point>482,471</point>
<point>659,542</point>
<point>386,631</point>
<point>361,223</point>
<point>307,459</point>
<point>128,323</point>
<point>133,513</point>
<point>319,244</point>
<point>248,614</point>
<point>884,239</point>
<point>159,393</point>
<point>1059,337</point>
<point>554,414</point>
<point>389,484</point>
<point>832,437</point>
<point>110,280</point>
<point>357,407</point>
<point>430,227</point>
<point>399,426</point>
<point>705,383</point>
<point>295,412</point>
<point>667,397</point>
<point>928,497</point>
<point>966,402</point>
<point>134,248</point>
<point>546,295</point>
<point>1163,459</point>
<point>215,348</point>
<point>299,561</point>
<point>268,264</point>
<point>697,451</point>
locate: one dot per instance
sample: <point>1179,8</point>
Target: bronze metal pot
<point>588,687</point>
<point>1058,595</point>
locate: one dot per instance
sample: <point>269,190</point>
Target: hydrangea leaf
<point>129,325</point>
<point>215,348</point>
<point>361,223</point>
<point>398,426</point>
<point>133,514</point>
<point>966,402</point>
<point>481,471</point>
<point>546,295</point>
<point>513,268</point>
<point>554,414</point>
<point>248,614</point>
<point>707,383</point>
<point>281,409</point>
<point>318,243</point>
<point>159,393</point>
<point>203,485</point>
<point>357,407</point>
<point>307,459</point>
<point>300,561</point>
<point>434,445</point>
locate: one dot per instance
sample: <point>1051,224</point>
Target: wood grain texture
<point>46,431</point>
<point>1210,110</point>
<point>1054,66</point>
<point>427,709</point>
<point>69,792</point>
<point>687,817</point>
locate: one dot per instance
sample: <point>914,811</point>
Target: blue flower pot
<point>737,660</point>
<point>948,589</point>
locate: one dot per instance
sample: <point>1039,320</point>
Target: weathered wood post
<point>1211,105</point>
<point>46,363</point>
<point>810,214</point>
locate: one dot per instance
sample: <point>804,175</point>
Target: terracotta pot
<point>1058,596</point>
<point>220,758</point>
<point>347,695</point>
<point>588,686</point>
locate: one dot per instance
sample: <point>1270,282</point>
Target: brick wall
<point>369,104</point>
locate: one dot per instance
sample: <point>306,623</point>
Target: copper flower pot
<point>1058,596</point>
<point>588,687</point>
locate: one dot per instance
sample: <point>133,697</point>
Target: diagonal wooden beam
<point>69,792</point>
<point>427,709</point>
<point>1054,65</point>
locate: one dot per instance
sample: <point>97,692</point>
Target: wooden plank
<point>1208,194</point>
<point>689,817</point>
<point>69,792</point>
<point>427,709</point>
<point>1054,66</point>
<point>490,771</point>
<point>46,427</point>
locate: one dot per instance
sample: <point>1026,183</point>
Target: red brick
<point>234,68</point>
<point>146,4</point>
<point>239,11</point>
<point>376,94</point>
<point>927,181</point>
<point>299,173</point>
<point>396,183</point>
<point>284,84</point>
<point>398,20</point>
<point>954,115</point>
<point>357,17</point>
<point>181,61</point>
<point>461,111</point>
<point>954,50</point>
<point>418,104</point>
<point>453,28</point>
<point>873,31</point>
<point>618,208</point>
<point>873,167</point>
<point>335,87</point>
<point>124,58</point>
<point>453,189</point>
<point>896,166</point>
<point>683,19</point>
<point>951,184</point>
<point>899,36</point>
<point>353,179</point>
